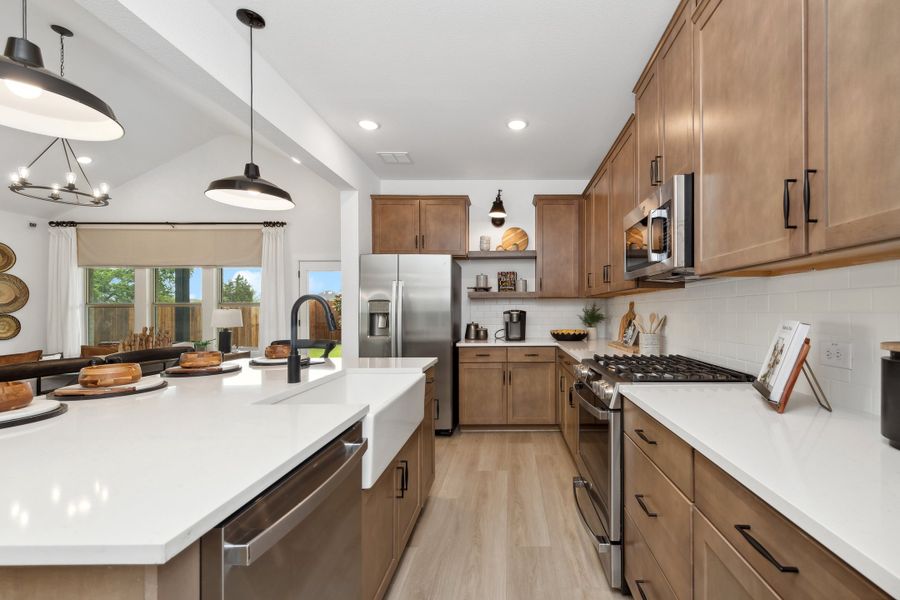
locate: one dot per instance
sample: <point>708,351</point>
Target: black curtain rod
<point>170,223</point>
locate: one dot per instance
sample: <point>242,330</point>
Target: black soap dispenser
<point>890,393</point>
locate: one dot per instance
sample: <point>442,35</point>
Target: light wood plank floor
<point>500,525</point>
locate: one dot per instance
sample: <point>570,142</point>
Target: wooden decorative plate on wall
<point>9,327</point>
<point>13,293</point>
<point>7,257</point>
<point>514,238</point>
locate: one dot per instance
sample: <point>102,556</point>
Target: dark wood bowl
<point>110,375</point>
<point>15,394</point>
<point>200,360</point>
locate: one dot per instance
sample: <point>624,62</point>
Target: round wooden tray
<point>10,327</point>
<point>34,417</point>
<point>7,257</point>
<point>201,371</point>
<point>13,293</point>
<point>113,393</point>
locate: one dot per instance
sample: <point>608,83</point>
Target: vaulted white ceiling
<point>443,78</point>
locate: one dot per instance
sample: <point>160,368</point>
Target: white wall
<point>31,246</point>
<point>731,322</point>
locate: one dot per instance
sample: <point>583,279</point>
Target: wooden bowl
<point>278,351</point>
<point>200,360</point>
<point>14,394</point>
<point>110,375</point>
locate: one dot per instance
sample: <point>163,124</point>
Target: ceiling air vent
<point>395,158</point>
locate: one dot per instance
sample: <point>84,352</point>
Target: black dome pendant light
<point>39,101</point>
<point>498,212</point>
<point>248,190</point>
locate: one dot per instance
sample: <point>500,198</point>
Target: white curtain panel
<point>65,294</point>
<point>273,317</point>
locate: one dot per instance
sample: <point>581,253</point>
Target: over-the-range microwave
<point>659,233</point>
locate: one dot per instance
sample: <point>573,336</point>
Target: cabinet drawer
<point>662,515</point>
<point>820,574</point>
<point>642,572</point>
<point>669,452</point>
<point>482,355</point>
<point>544,354</point>
<point>567,362</point>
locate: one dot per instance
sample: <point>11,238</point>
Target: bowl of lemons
<point>568,335</point>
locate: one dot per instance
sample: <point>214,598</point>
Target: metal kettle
<point>471,330</point>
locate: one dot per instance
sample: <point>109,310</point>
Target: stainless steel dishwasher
<point>301,538</point>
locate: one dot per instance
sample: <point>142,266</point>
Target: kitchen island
<point>136,480</point>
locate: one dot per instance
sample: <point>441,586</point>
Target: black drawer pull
<point>429,380</point>
<point>640,500</point>
<point>806,195</point>
<point>639,583</point>
<point>483,355</point>
<point>787,203</point>
<point>640,434</point>
<point>402,489</point>
<point>532,355</point>
<point>744,530</point>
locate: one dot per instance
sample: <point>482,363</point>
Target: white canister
<point>650,343</point>
<point>484,243</point>
<point>522,285</point>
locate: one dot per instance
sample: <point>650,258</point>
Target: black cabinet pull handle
<point>639,583</point>
<point>640,434</point>
<point>417,242</point>
<point>571,400</point>
<point>589,284</point>
<point>806,195</point>
<point>653,172</point>
<point>509,377</point>
<point>484,355</point>
<point>640,500</point>
<point>744,530</point>
<point>404,482</point>
<point>437,409</point>
<point>423,242</point>
<point>402,489</point>
<point>656,160</point>
<point>787,203</point>
<point>532,354</point>
<point>562,384</point>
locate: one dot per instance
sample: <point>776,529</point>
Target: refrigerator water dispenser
<point>379,318</point>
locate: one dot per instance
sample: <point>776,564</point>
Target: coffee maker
<point>514,325</point>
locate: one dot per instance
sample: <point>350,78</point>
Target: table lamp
<point>224,319</point>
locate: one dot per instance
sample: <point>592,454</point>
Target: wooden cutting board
<point>514,236</point>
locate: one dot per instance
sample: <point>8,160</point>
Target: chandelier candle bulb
<point>70,178</point>
<point>24,173</point>
<point>104,188</point>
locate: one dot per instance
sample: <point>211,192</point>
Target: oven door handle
<point>600,542</point>
<point>244,554</point>
<point>660,214</point>
<point>600,415</point>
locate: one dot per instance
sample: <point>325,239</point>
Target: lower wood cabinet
<point>719,571</point>
<point>428,459</point>
<point>409,483</point>
<point>569,416</point>
<point>645,578</point>
<point>520,390</point>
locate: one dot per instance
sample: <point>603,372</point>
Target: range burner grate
<point>673,368</point>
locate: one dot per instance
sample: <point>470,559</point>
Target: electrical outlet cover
<point>837,354</point>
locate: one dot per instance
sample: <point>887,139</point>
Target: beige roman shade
<point>169,247</point>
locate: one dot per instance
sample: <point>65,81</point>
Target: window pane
<point>109,323</point>
<point>241,285</point>
<point>113,285</point>
<point>328,285</point>
<point>181,285</point>
<point>177,308</point>
<point>181,322</point>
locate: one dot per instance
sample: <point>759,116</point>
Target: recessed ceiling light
<point>295,159</point>
<point>369,125</point>
<point>517,124</point>
<point>85,160</point>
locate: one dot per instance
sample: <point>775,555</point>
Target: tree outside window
<point>110,304</point>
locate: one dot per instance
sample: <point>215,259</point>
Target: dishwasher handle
<point>245,553</point>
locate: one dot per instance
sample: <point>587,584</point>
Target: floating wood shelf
<point>499,295</point>
<point>501,254</point>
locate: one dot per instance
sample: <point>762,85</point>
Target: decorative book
<point>785,357</point>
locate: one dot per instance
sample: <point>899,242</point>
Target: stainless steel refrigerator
<point>409,305</point>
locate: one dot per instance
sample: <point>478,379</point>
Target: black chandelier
<point>67,193</point>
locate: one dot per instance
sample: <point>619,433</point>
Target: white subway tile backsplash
<point>731,322</point>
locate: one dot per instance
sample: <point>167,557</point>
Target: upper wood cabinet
<point>420,225</point>
<point>648,125</point>
<point>622,199</point>
<point>854,132</point>
<point>596,246</point>
<point>557,220</point>
<point>750,128</point>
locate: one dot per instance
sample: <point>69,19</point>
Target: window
<point>322,278</point>
<point>240,288</point>
<point>110,304</point>
<point>177,303</point>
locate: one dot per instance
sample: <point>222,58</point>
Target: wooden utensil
<point>15,394</point>
<point>278,351</point>
<point>653,318</point>
<point>659,324</point>
<point>639,323</point>
<point>110,375</point>
<point>200,360</point>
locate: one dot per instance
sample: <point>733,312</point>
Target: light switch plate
<point>837,354</point>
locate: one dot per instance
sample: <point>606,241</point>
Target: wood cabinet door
<point>531,393</point>
<point>395,225</point>
<point>854,132</point>
<point>557,246</point>
<point>482,393</point>
<point>719,571</point>
<point>675,71</point>
<point>409,484</point>
<point>443,226</point>
<point>379,539</point>
<point>750,133</point>
<point>586,235</point>
<point>647,124</point>
<point>601,236</point>
<point>428,461</point>
<point>571,407</point>
<point>622,199</point>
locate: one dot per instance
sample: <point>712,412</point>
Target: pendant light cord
<point>25,19</point>
<point>62,56</point>
<point>251,94</point>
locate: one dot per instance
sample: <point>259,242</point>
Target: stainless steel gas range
<point>598,489</point>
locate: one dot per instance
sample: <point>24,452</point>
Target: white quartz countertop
<point>832,474</point>
<point>136,479</point>
<point>577,350</point>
